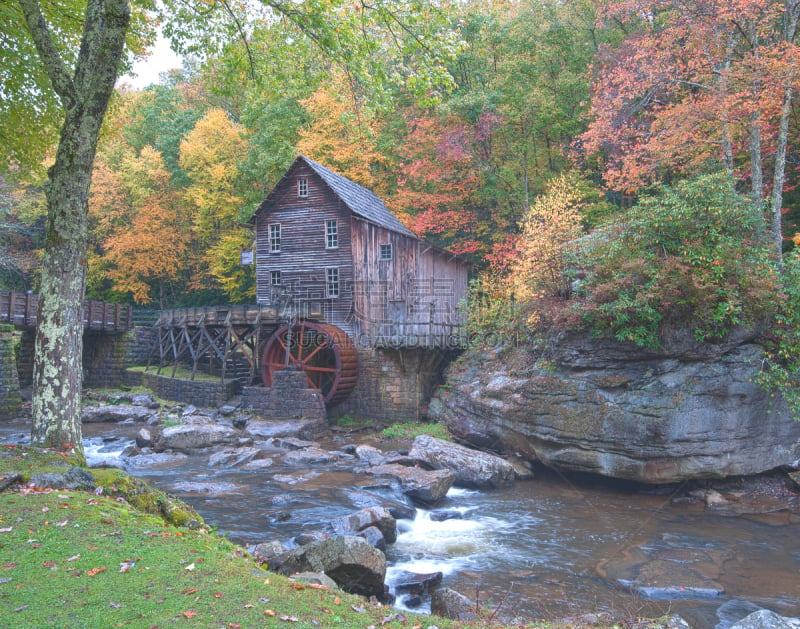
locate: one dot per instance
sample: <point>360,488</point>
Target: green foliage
<point>409,430</point>
<point>694,255</point>
<point>781,370</point>
<point>493,315</point>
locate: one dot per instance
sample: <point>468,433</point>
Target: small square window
<point>332,282</point>
<point>275,238</point>
<point>275,278</point>
<point>331,234</point>
<point>385,252</point>
<point>302,187</point>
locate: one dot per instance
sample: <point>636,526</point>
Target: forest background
<point>508,131</point>
<point>623,95</point>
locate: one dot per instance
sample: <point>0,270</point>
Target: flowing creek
<point>549,548</point>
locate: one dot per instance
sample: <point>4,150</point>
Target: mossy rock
<point>146,498</point>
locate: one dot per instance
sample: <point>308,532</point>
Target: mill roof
<point>361,201</point>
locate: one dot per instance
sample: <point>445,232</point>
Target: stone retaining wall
<point>203,393</point>
<point>10,400</point>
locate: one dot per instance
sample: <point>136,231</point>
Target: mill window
<point>332,282</point>
<point>275,278</point>
<point>331,234</point>
<point>385,252</point>
<point>275,238</point>
<point>302,187</point>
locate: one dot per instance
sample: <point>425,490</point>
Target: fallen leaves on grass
<point>95,571</point>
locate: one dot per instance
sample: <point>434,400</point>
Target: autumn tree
<point>69,71</point>
<point>547,246</point>
<point>149,248</point>
<point>210,155</point>
<point>694,85</point>
<point>341,135</point>
<point>436,181</point>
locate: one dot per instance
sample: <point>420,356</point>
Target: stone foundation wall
<point>105,359</point>
<point>394,385</point>
<point>141,341</point>
<point>203,393</point>
<point>10,400</point>
<point>27,343</point>
<point>289,397</point>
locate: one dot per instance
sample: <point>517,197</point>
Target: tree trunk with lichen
<point>84,94</point>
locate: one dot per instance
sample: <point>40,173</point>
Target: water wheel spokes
<point>322,351</point>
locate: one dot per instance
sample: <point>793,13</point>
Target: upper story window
<point>385,252</point>
<point>332,282</point>
<point>275,238</point>
<point>302,187</point>
<point>275,278</point>
<point>331,234</point>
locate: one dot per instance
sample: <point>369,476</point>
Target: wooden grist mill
<point>346,294</point>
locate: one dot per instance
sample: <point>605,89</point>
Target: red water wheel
<point>324,352</point>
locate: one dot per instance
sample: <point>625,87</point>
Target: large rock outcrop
<point>611,409</point>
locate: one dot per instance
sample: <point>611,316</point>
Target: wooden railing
<point>19,309</point>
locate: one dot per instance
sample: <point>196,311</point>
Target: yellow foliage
<point>211,155</point>
<point>546,250</point>
<point>340,137</point>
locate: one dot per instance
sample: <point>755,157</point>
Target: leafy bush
<point>781,369</point>
<point>493,315</point>
<point>694,255</point>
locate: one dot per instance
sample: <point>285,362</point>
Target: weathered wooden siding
<point>303,258</point>
<point>411,300</point>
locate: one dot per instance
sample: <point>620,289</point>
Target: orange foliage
<point>436,183</point>
<point>687,86</point>
<point>149,246</point>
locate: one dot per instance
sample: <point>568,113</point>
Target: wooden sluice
<point>225,338</point>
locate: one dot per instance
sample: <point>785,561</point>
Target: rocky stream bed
<point>421,522</point>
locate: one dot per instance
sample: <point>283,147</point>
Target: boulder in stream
<point>378,517</point>
<point>263,429</point>
<point>308,456</point>
<point>115,413</point>
<point>451,604</point>
<point>766,619</point>
<point>234,457</point>
<point>352,562</point>
<point>427,486</point>
<point>196,435</point>
<point>471,467</point>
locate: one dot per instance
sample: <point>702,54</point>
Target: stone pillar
<point>289,397</point>
<point>10,399</point>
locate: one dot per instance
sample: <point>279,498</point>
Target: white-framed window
<point>332,281</point>
<point>302,187</point>
<point>332,234</point>
<point>275,278</point>
<point>385,252</point>
<point>275,238</point>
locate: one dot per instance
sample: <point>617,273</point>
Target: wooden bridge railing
<point>19,309</point>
